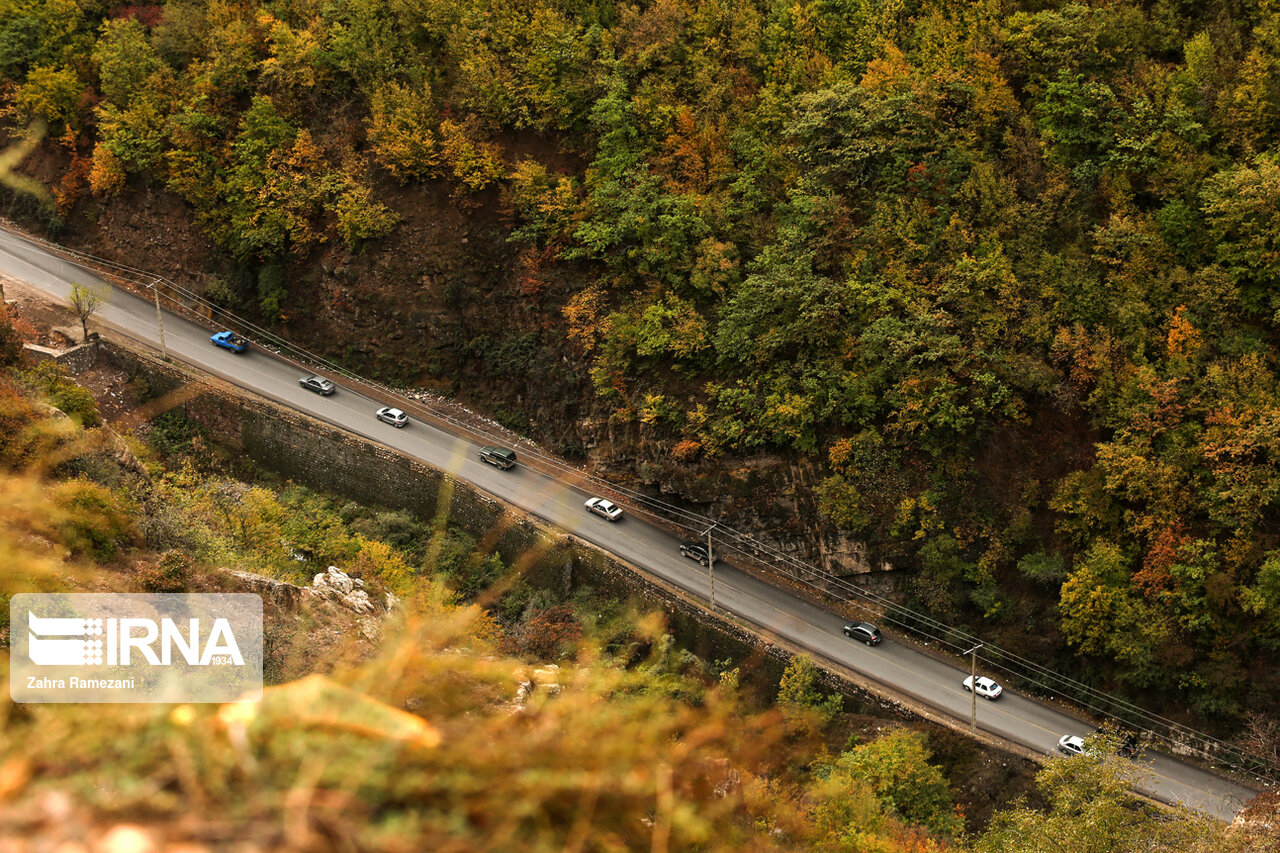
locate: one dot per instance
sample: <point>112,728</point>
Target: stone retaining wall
<point>75,360</point>
<point>326,458</point>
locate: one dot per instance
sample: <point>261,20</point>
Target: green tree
<point>798,693</point>
<point>1090,810</point>
<point>1103,615</point>
<point>51,95</point>
<point>1241,205</point>
<point>895,768</point>
<point>125,60</point>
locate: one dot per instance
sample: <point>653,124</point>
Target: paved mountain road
<point>930,681</point>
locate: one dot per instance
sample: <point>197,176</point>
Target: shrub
<point>10,339</point>
<point>799,696</point>
<point>53,383</point>
<point>379,560</point>
<point>552,634</point>
<point>475,164</point>
<point>361,218</point>
<point>686,451</point>
<point>93,520</point>
<point>400,130</point>
<point>398,528</point>
<point>171,574</point>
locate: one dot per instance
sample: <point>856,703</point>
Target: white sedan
<point>604,508</point>
<point>986,687</point>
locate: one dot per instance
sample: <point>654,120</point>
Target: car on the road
<point>1071,745</point>
<point>986,687</point>
<point>863,632</point>
<point>500,456</point>
<point>1124,743</point>
<point>604,508</point>
<point>695,551</point>
<point>230,340</point>
<point>395,417</point>
<point>318,384</point>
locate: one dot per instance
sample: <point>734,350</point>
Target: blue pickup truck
<point>231,341</point>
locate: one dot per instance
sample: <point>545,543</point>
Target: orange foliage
<point>889,72</point>
<point>1184,338</point>
<point>105,175</point>
<point>686,451</point>
<point>76,179</point>
<point>1154,578</point>
<point>1166,409</point>
<point>840,452</point>
<point>1084,357</point>
<point>583,315</point>
<point>695,158</point>
<point>532,265</point>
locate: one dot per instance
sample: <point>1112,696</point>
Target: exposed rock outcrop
<point>544,678</point>
<point>333,585</point>
<point>338,586</point>
<point>280,593</point>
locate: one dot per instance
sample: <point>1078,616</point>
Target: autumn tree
<point>85,302</point>
<point>1090,810</point>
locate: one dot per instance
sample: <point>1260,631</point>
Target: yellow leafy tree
<point>401,131</point>
<point>476,164</point>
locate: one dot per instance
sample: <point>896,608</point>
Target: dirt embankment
<point>448,303</point>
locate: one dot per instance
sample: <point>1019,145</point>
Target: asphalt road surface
<point>934,683</point>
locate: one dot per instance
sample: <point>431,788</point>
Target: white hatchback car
<point>1071,745</point>
<point>604,508</point>
<point>986,687</point>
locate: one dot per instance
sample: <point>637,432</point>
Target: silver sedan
<point>604,508</point>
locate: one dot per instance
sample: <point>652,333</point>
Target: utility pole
<point>155,292</point>
<point>711,569</point>
<point>973,686</point>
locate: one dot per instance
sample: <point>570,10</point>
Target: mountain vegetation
<point>1007,270</point>
<point>444,730</point>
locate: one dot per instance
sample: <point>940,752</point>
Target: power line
<point>825,583</point>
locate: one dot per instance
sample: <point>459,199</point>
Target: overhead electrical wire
<point>825,583</point>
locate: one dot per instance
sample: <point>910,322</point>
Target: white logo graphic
<point>125,635</point>
<point>46,651</point>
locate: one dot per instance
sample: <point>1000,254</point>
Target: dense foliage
<point>1008,268</point>
<point>444,732</point>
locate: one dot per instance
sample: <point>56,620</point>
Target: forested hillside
<point>1008,272</point>
<point>475,713</point>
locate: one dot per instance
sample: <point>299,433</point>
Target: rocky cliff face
<point>449,305</point>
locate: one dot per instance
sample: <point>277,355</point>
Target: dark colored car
<point>694,551</point>
<point>230,340</point>
<point>318,384</point>
<point>500,456</point>
<point>863,632</point>
<point>395,417</point>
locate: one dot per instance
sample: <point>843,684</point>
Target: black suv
<point>694,551</point>
<point>500,456</point>
<point>863,632</point>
